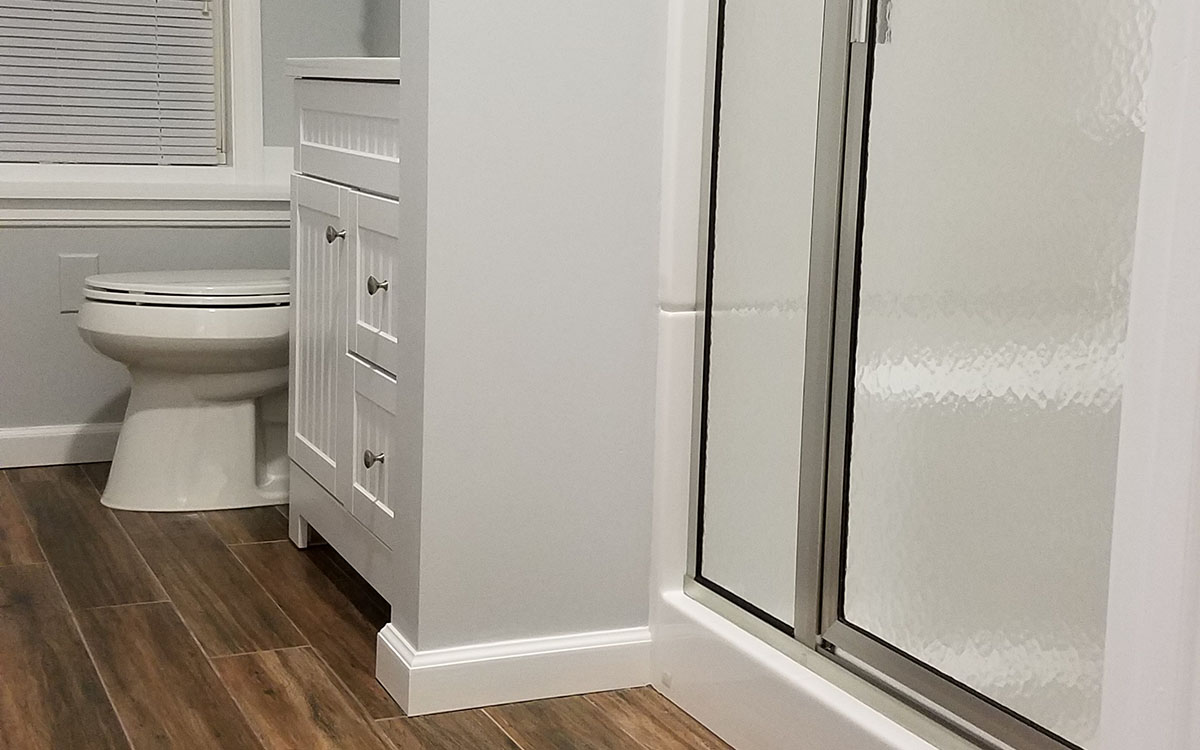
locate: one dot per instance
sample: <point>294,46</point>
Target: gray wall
<point>48,376</point>
<point>317,28</point>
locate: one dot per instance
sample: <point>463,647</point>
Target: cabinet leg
<point>299,530</point>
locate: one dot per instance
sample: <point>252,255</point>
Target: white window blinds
<point>109,82</point>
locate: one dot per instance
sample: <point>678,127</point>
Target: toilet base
<point>195,442</point>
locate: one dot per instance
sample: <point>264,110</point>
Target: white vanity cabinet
<point>351,275</point>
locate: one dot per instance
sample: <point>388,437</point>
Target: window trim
<point>253,172</point>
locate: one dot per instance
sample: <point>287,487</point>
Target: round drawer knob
<point>374,285</point>
<point>332,235</point>
<point>370,459</point>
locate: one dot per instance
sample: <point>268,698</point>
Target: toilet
<point>207,351</point>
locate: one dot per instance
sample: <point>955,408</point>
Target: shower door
<point>983,164</point>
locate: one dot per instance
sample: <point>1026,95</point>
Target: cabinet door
<point>372,491</point>
<point>378,284</point>
<point>322,224</point>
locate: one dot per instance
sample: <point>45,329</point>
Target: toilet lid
<point>243,283</point>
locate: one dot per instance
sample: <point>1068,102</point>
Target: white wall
<point>544,153</point>
<point>1151,688</point>
<point>48,376</point>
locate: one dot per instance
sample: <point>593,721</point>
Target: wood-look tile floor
<point>210,630</point>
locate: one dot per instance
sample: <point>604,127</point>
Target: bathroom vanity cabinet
<point>472,373</point>
<point>357,304</point>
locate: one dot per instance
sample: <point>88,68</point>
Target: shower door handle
<point>860,21</point>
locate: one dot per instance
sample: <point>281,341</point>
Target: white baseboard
<point>425,682</point>
<point>57,444</point>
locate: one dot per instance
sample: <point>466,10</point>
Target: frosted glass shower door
<point>1003,149</point>
<point>764,121</point>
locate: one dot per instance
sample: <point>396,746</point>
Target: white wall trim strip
<point>52,445</point>
<point>486,674</point>
<point>182,218</point>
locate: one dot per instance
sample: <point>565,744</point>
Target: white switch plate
<point>73,268</point>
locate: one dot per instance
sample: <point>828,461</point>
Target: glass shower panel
<point>764,172</point>
<point>1001,190</point>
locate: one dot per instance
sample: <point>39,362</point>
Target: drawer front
<point>374,457</point>
<point>349,132</point>
<point>379,286</point>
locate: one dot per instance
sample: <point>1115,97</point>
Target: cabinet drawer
<point>380,287</point>
<point>349,132</point>
<point>373,452</point>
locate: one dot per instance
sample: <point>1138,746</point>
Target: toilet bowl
<point>207,352</point>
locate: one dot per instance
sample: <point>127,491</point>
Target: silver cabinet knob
<point>333,235</point>
<point>374,285</point>
<point>370,459</point>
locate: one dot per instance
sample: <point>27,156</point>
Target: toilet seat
<point>244,288</point>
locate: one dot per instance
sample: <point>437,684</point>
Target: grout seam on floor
<point>87,647</point>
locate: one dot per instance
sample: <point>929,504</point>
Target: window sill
<point>105,195</point>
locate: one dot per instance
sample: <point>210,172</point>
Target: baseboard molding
<point>425,682</point>
<point>57,444</point>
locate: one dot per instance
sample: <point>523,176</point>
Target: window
<point>119,82</point>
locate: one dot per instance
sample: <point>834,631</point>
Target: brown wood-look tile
<point>248,525</point>
<point>573,722</point>
<point>18,546</point>
<point>294,701</point>
<point>70,475</point>
<point>98,474</point>
<point>164,689</point>
<point>344,636</point>
<point>654,721</point>
<point>50,694</point>
<point>224,605</point>
<point>450,731</point>
<point>94,560</point>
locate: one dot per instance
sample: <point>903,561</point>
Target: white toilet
<point>207,418</point>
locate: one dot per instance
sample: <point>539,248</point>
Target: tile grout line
<point>175,608</point>
<point>316,651</point>
<point>12,493</point>
<point>340,682</point>
<point>119,606</point>
<point>252,544</point>
<point>620,727</point>
<point>267,591</point>
<point>129,538</point>
<point>208,659</point>
<point>217,674</point>
<point>87,648</point>
<point>240,654</point>
<point>204,515</point>
<point>262,740</point>
<point>500,726</point>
